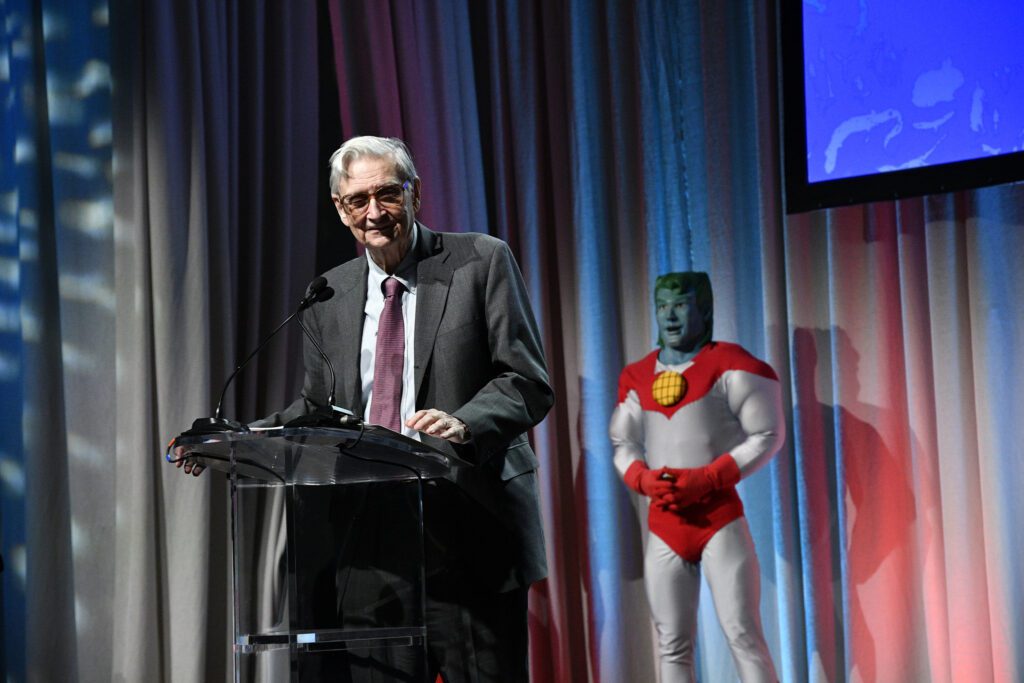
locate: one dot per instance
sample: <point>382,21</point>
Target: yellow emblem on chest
<point>669,388</point>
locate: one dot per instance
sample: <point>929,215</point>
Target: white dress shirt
<point>406,274</point>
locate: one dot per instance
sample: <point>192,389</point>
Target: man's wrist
<point>724,472</point>
<point>467,431</point>
<point>633,475</point>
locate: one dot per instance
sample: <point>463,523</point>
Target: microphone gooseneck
<point>317,291</point>
<point>316,344</point>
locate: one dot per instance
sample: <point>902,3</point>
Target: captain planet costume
<point>692,419</point>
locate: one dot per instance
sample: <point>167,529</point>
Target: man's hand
<point>686,487</point>
<point>183,460</point>
<point>440,424</point>
<point>651,483</point>
<point>690,485</point>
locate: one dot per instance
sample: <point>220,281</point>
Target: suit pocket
<point>519,459</point>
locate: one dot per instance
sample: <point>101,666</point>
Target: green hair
<point>697,282</point>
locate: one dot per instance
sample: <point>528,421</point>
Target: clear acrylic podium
<point>327,546</point>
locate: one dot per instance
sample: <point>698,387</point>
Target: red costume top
<point>731,405</point>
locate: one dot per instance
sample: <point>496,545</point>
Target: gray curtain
<point>215,191</point>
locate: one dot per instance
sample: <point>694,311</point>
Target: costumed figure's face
<point>680,322</point>
<point>378,206</point>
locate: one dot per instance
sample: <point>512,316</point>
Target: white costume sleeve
<point>626,430</point>
<point>756,402</point>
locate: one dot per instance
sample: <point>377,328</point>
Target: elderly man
<point>693,418</point>
<point>432,335</point>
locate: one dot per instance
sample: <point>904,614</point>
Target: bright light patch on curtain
<point>29,326</point>
<point>9,272</point>
<point>78,360</point>
<point>10,318</point>
<point>12,474</point>
<point>101,135</point>
<point>18,562</point>
<point>28,250</point>
<point>93,217</point>
<point>82,617</point>
<point>89,288</point>
<point>101,15</point>
<point>77,164</point>
<point>10,368</point>
<point>24,151</point>
<point>94,77</point>
<point>8,203</point>
<point>27,220</point>
<point>87,451</point>
<point>79,537</point>
<point>63,107</point>
<point>20,46</point>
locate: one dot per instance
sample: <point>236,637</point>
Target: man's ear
<point>341,211</point>
<point>416,194</point>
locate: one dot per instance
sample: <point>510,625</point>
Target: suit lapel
<point>433,279</point>
<point>351,297</point>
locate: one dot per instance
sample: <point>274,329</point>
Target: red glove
<point>646,481</point>
<point>690,485</point>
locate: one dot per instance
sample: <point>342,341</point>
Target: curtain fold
<point>523,120</point>
<point>215,213</point>
<point>669,121</point>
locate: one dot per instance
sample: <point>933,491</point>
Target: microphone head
<point>324,294</point>
<point>316,289</point>
<point>318,283</point>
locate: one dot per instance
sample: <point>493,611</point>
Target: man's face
<point>680,322</point>
<point>376,207</point>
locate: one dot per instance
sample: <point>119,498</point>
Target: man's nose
<point>373,209</point>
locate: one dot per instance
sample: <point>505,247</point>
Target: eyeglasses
<point>388,197</point>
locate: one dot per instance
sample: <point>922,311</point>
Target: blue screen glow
<point>901,85</point>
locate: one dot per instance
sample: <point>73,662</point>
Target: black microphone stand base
<point>326,417</point>
<point>214,425</point>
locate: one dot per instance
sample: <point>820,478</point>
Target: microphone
<point>317,291</point>
<point>316,345</point>
<point>329,415</point>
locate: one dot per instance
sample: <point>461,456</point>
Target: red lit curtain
<point>610,142</point>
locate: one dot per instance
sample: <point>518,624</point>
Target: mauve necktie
<point>389,362</point>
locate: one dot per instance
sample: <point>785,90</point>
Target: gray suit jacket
<point>477,356</point>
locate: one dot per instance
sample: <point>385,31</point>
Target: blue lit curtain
<point>608,142</point>
<point>57,333</point>
<point>143,200</point>
<point>621,140</point>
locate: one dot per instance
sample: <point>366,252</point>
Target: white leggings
<point>673,590</point>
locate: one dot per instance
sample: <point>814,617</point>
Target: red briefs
<point>687,531</point>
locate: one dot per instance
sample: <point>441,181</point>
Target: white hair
<point>370,146</point>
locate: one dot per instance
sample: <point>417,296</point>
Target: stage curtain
<point>159,160</point>
<point>621,140</point>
